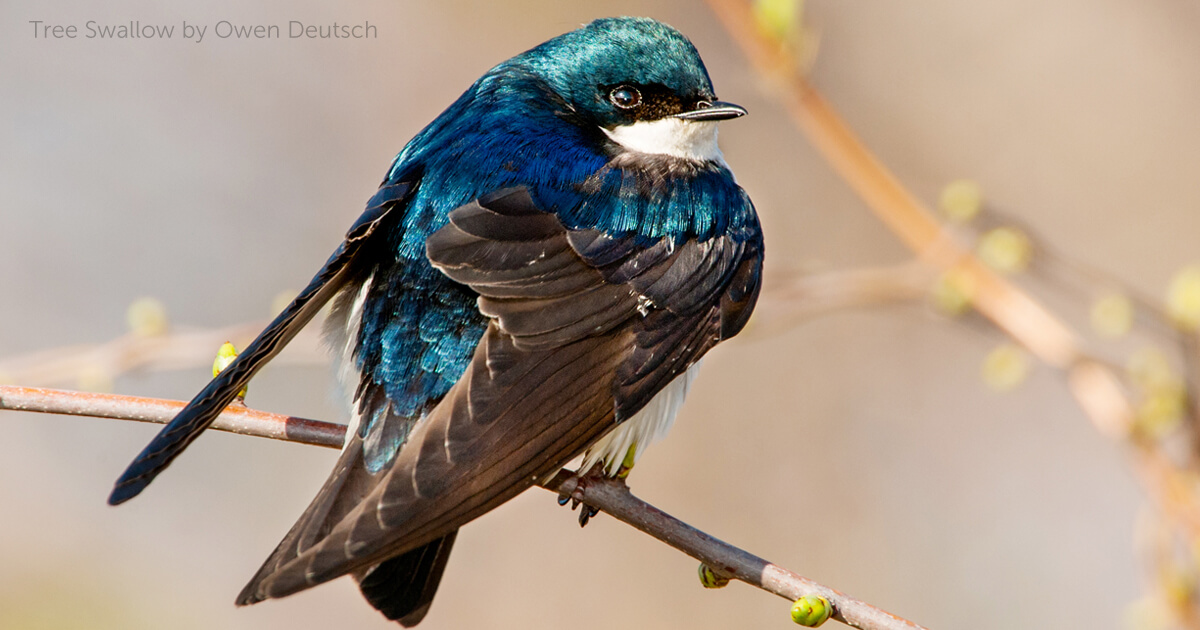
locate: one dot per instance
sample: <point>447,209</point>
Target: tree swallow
<point>536,279</point>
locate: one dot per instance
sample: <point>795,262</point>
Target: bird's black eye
<point>625,97</point>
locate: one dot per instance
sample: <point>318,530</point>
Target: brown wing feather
<point>458,465</point>
<point>586,329</point>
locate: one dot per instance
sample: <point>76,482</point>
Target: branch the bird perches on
<point>610,496</point>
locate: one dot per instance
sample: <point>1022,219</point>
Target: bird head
<point>639,81</point>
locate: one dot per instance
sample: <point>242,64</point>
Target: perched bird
<point>536,279</point>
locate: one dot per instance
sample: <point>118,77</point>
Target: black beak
<point>716,110</point>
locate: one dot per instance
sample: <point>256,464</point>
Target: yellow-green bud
<point>1005,249</point>
<point>1161,411</point>
<point>225,355</point>
<point>1005,367</point>
<point>147,317</point>
<point>1183,298</point>
<point>811,611</point>
<point>1150,369</point>
<point>776,18</point>
<point>1112,315</point>
<point>709,578</point>
<point>953,291</point>
<point>961,200</point>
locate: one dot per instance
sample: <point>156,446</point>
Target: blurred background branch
<point>770,38</point>
<point>149,346</point>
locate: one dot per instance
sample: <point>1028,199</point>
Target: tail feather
<point>402,588</point>
<point>345,486</point>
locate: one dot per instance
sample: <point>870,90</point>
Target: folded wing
<point>585,329</point>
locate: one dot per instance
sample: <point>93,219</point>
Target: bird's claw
<point>577,494</point>
<point>586,514</point>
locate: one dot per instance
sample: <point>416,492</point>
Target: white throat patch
<point>688,139</point>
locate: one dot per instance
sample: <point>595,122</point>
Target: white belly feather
<point>646,426</point>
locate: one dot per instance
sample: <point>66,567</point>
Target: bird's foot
<point>576,498</point>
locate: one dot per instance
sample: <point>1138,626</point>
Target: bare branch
<point>1169,479</point>
<point>793,297</point>
<point>613,497</point>
<point>236,418</point>
<point>610,496</point>
<point>1008,307</point>
<point>175,349</point>
<point>912,222</point>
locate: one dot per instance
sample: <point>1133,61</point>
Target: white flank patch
<point>694,140</point>
<point>341,333</point>
<point>646,426</point>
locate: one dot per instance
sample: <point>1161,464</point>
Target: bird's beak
<point>716,110</point>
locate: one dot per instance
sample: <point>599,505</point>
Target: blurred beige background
<point>860,449</point>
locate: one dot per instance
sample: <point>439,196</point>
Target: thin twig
<point>171,350</point>
<point>613,497</point>
<point>236,418</point>
<point>787,301</point>
<point>1095,386</point>
<point>910,220</point>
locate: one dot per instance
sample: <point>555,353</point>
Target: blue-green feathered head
<point>621,69</point>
